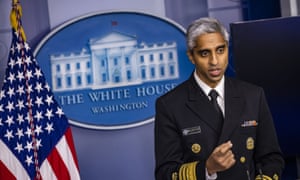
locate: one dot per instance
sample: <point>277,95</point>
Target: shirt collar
<point>219,88</point>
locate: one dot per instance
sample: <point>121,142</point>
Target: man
<point>194,141</point>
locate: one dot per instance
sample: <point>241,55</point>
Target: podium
<point>267,53</point>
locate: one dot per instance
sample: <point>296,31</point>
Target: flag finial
<point>15,18</point>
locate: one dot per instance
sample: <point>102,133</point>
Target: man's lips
<point>215,72</point>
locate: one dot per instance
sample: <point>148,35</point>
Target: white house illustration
<point>113,61</point>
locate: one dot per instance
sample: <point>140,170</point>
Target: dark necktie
<point>213,95</point>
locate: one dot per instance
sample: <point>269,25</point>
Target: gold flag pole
<point>15,18</point>
<point>16,23</point>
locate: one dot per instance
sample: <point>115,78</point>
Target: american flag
<point>35,137</point>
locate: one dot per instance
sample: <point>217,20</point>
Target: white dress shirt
<point>220,99</point>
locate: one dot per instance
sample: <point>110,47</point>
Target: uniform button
<point>196,148</point>
<point>242,159</point>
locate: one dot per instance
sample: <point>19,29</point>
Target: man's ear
<point>189,53</point>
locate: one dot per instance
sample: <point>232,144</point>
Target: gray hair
<point>203,26</point>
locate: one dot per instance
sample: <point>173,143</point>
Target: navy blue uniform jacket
<point>185,132</point>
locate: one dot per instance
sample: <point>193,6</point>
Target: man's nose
<point>213,59</point>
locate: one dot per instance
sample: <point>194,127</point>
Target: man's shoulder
<point>243,87</point>
<point>177,92</point>
<point>241,83</point>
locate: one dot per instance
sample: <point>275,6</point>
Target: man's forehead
<point>211,40</point>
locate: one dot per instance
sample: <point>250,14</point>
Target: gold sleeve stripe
<point>182,173</point>
<point>188,171</point>
<point>263,177</point>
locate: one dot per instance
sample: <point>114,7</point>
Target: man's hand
<point>221,158</point>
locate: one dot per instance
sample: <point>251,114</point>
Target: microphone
<point>248,174</point>
<point>258,166</point>
<point>243,161</point>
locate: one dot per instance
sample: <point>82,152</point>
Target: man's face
<point>210,56</point>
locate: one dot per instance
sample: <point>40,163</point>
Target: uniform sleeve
<point>268,157</point>
<point>168,149</point>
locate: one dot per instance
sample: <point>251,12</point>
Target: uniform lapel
<point>199,103</point>
<point>234,104</point>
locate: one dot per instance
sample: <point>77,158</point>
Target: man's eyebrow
<point>221,46</point>
<point>208,49</point>
<point>204,49</point>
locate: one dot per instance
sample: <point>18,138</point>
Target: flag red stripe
<point>58,165</point>
<point>70,142</point>
<point>5,173</point>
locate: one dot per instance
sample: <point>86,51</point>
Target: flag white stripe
<point>47,171</point>
<point>11,162</point>
<point>66,154</point>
